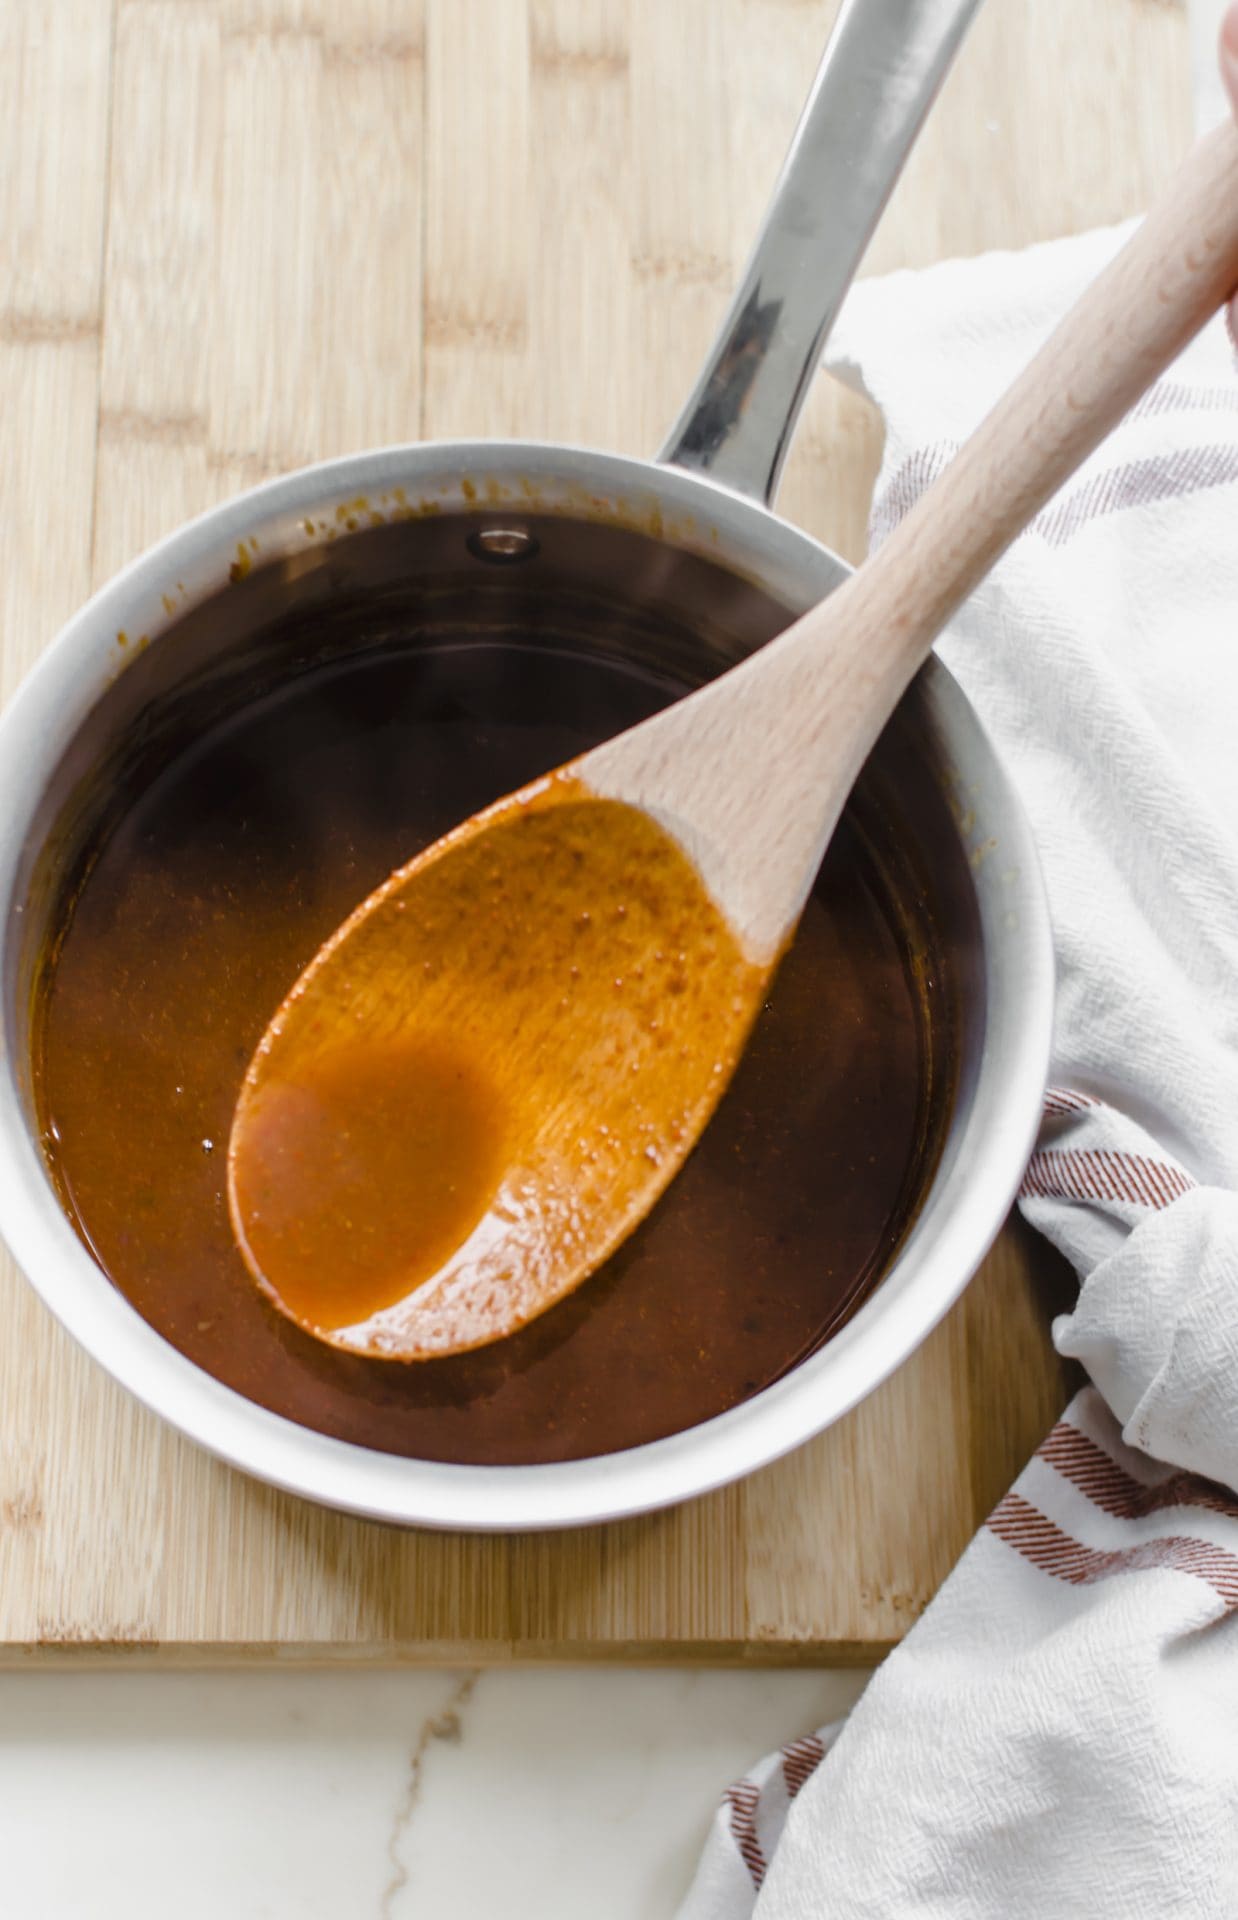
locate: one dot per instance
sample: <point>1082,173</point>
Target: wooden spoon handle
<point>756,824</point>
<point>1136,317</point>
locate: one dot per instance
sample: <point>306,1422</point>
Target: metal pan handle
<point>880,71</point>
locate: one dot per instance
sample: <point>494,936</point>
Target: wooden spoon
<point>489,1074</point>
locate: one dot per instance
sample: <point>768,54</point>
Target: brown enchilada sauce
<point>214,884</point>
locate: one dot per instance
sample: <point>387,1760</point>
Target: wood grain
<point>238,234</point>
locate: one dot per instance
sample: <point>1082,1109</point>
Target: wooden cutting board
<point>244,234</point>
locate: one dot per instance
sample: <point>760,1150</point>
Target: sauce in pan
<point>215,882</point>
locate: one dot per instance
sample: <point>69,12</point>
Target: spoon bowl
<point>487,1077</point>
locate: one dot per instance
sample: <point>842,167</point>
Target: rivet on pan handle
<point>880,71</point>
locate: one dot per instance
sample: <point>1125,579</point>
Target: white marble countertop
<point>558,1793</point>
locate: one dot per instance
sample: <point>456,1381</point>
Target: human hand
<point>1228,52</point>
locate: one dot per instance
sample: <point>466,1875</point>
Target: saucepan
<point>692,530</point>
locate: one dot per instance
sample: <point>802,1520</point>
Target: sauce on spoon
<point>472,1094</point>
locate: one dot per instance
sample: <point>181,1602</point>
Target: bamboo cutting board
<point>244,234</point>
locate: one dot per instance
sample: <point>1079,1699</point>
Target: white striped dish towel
<point>1058,1735</point>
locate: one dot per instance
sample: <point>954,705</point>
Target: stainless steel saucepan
<point>704,508</point>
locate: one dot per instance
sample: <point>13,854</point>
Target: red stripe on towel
<point>1108,1486</point>
<point>744,1799</point>
<point>1060,1100</point>
<point>1160,476</point>
<point>1100,1173</point>
<point>1022,1526</point>
<point>800,1760</point>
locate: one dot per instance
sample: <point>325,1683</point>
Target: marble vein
<point>446,1725</point>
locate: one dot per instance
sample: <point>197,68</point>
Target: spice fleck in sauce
<point>542,1014</point>
<point>214,884</point>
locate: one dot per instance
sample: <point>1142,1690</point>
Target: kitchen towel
<point>1058,1735</point>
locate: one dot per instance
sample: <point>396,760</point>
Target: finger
<point>1229,53</point>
